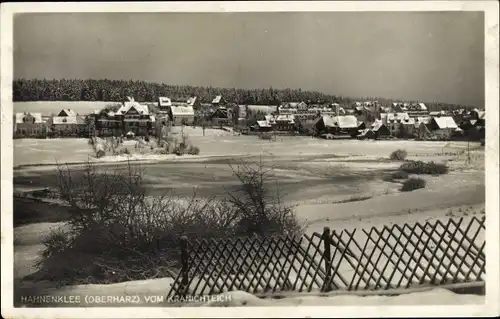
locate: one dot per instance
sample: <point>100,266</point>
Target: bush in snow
<point>398,155</point>
<point>116,233</point>
<point>413,184</point>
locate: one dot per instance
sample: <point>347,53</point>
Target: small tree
<point>260,207</point>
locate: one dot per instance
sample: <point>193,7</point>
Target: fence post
<point>327,256</point>
<point>184,266</point>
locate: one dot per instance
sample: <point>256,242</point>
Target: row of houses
<point>66,122</point>
<point>400,119</point>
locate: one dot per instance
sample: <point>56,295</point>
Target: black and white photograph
<point>223,155</point>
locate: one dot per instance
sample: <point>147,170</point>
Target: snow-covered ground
<point>319,172</point>
<point>221,143</point>
<point>152,292</point>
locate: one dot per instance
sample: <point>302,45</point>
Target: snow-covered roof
<point>263,124</point>
<point>422,106</point>
<point>377,125</point>
<point>217,99</point>
<point>190,101</point>
<point>127,106</point>
<point>185,110</point>
<point>342,121</point>
<point>481,115</point>
<point>164,101</point>
<point>445,122</point>
<point>424,119</point>
<point>67,112</point>
<point>28,117</point>
<point>290,118</point>
<point>346,121</point>
<point>56,120</point>
<point>398,117</point>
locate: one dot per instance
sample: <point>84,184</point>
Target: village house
<point>179,113</point>
<point>182,114</point>
<point>135,118</point>
<point>399,124</point>
<point>106,124</point>
<point>222,116</point>
<point>68,125</point>
<point>281,122</point>
<point>416,110</point>
<point>337,125</point>
<point>442,126</point>
<point>67,112</point>
<point>380,130</point>
<point>262,126</point>
<point>366,112</point>
<point>29,125</point>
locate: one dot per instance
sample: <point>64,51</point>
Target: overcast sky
<point>417,56</point>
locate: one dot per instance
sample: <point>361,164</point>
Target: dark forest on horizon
<point>117,91</point>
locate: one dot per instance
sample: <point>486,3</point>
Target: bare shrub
<point>399,175</point>
<point>261,211</point>
<point>413,184</point>
<point>193,150</point>
<point>116,233</point>
<point>419,167</point>
<point>398,155</point>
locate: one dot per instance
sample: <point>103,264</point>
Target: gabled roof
<point>67,112</point>
<point>56,120</point>
<point>190,101</point>
<point>422,106</point>
<point>27,115</point>
<point>342,121</point>
<point>221,110</point>
<point>445,122</point>
<point>377,125</point>
<point>481,115</point>
<point>127,106</point>
<point>366,132</point>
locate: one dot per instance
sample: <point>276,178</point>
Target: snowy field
<point>317,175</point>
<point>219,143</point>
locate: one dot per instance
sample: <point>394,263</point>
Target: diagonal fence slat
<point>378,258</point>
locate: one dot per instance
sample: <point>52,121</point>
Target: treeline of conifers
<point>118,90</point>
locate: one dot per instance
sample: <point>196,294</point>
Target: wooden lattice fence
<point>395,257</point>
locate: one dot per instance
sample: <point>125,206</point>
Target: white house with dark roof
<point>29,124</point>
<point>68,125</point>
<point>182,114</point>
<point>343,124</point>
<point>134,118</point>
<point>443,126</point>
<point>395,121</point>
